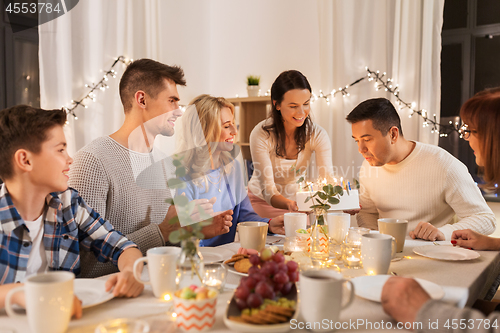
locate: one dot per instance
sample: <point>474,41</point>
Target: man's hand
<point>402,298</point>
<point>277,225</point>
<point>220,224</point>
<point>427,231</point>
<point>473,240</point>
<point>76,310</point>
<point>125,284</point>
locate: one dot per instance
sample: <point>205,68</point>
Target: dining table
<point>462,282</point>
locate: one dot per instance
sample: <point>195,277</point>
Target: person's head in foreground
<point>148,89</point>
<point>291,97</point>
<point>376,128</point>
<point>34,149</point>
<point>404,299</point>
<point>481,114</point>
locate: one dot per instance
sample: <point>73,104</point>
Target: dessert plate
<point>91,292</point>
<point>215,254</point>
<point>446,252</point>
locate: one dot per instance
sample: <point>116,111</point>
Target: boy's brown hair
<point>24,127</point>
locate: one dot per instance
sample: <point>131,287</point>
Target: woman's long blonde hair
<point>201,130</point>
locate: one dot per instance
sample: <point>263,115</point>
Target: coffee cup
<point>49,301</point>
<point>396,228</point>
<point>376,253</point>
<point>162,265</point>
<point>324,289</point>
<point>338,226</point>
<point>294,221</point>
<point>253,235</point>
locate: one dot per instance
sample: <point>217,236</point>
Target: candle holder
<point>351,255</point>
<point>214,276</point>
<point>294,244</point>
<point>354,235</point>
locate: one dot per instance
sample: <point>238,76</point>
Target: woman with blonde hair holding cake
<point>282,145</point>
<point>209,156</point>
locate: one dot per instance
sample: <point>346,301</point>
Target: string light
<point>101,85</point>
<point>391,87</point>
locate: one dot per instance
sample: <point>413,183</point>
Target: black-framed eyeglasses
<point>466,133</point>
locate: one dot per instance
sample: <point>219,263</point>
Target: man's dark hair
<point>24,127</point>
<point>147,75</point>
<point>380,111</point>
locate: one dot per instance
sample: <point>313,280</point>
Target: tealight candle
<point>351,255</point>
<point>214,276</point>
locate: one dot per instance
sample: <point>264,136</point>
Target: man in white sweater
<point>105,171</point>
<point>410,180</point>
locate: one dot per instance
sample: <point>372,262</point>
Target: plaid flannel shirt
<point>69,224</point>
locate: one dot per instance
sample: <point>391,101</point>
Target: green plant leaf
<point>307,199</point>
<point>174,220</point>
<point>180,172</point>
<point>356,183</point>
<point>322,195</point>
<point>175,183</point>
<point>175,236</point>
<point>333,200</point>
<point>181,200</point>
<point>301,179</point>
<point>337,190</point>
<point>199,235</point>
<point>176,163</point>
<point>170,201</point>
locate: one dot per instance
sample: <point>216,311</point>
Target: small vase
<point>319,250</point>
<point>253,91</point>
<point>190,263</point>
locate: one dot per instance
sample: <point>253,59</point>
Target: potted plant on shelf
<point>253,87</point>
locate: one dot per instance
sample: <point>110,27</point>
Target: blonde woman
<point>207,144</point>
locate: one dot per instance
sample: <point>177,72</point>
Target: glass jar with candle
<point>351,255</point>
<point>354,235</point>
<point>214,276</point>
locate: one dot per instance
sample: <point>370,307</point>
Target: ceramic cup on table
<point>253,235</point>
<point>162,265</point>
<point>377,251</point>
<point>294,221</point>
<point>396,228</point>
<point>49,301</point>
<point>321,292</point>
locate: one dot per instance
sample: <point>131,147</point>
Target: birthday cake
<point>349,200</point>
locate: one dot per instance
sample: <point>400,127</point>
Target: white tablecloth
<point>463,282</point>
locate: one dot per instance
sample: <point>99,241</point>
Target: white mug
<point>324,289</point>
<point>376,253</point>
<point>253,235</point>
<point>396,228</point>
<point>162,266</point>
<point>49,301</point>
<point>338,226</point>
<point>294,221</point>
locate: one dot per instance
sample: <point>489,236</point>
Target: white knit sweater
<point>429,185</point>
<point>103,173</point>
<point>274,175</point>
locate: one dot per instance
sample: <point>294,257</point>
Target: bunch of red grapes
<point>267,278</point>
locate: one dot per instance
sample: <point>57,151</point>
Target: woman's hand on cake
<point>277,225</point>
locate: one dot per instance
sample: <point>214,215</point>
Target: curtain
<point>399,37</point>
<point>219,42</point>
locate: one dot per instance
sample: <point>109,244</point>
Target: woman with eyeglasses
<point>404,299</point>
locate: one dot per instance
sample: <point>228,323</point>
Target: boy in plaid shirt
<point>42,221</point>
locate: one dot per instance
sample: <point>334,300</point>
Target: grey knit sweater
<point>103,173</point>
